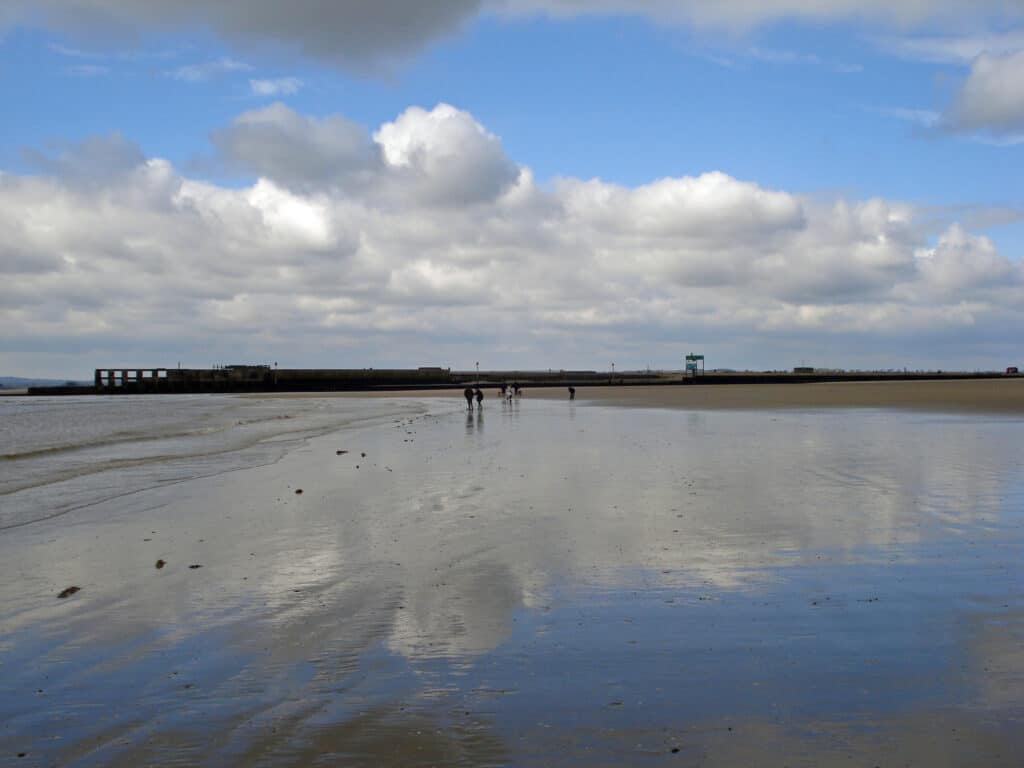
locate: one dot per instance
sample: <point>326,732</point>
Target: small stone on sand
<point>298,491</point>
<point>160,564</point>
<point>69,592</point>
<point>193,567</point>
<point>340,453</point>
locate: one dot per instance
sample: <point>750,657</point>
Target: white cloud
<point>992,96</point>
<point>707,207</point>
<point>955,49</point>
<point>739,58</point>
<point>281,86</point>
<point>444,156</point>
<point>354,247</point>
<point>987,107</point>
<point>197,73</point>
<point>744,13</point>
<point>962,265</point>
<point>439,157</point>
<point>925,118</point>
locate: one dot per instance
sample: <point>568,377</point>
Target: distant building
<point>803,369</point>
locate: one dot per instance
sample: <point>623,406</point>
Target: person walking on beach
<point>479,398</point>
<point>515,387</point>
<point>468,394</point>
<point>572,393</point>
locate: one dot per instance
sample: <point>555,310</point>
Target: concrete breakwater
<point>262,378</point>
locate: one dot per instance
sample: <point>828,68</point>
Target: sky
<point>515,183</point>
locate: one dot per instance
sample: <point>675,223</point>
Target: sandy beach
<point>977,395</point>
<point>752,582</point>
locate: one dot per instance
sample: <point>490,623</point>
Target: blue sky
<point>844,109</point>
<point>619,98</point>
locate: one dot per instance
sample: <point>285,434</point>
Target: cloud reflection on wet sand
<point>579,581</point>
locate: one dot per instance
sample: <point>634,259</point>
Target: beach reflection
<point>606,570</point>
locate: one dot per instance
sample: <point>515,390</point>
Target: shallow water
<point>62,453</point>
<point>545,583</point>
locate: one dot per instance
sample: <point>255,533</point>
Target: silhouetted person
<point>479,398</point>
<point>468,394</point>
<point>515,388</point>
<point>504,387</point>
<point>572,393</point>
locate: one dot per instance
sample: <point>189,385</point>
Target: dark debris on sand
<point>194,566</point>
<point>69,592</point>
<point>160,564</point>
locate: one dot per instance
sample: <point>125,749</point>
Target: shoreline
<point>262,379</point>
<point>1004,396</point>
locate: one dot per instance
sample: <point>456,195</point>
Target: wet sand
<point>972,395</point>
<point>543,583</point>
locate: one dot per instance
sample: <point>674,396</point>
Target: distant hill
<point>17,382</point>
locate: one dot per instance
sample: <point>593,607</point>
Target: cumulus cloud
<point>93,159</point>
<point>353,246</point>
<point>297,150</point>
<point>432,157</point>
<point>356,33</point>
<point>992,96</point>
<point>445,156</point>
<point>962,265</point>
<point>704,208</point>
<point>988,104</point>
